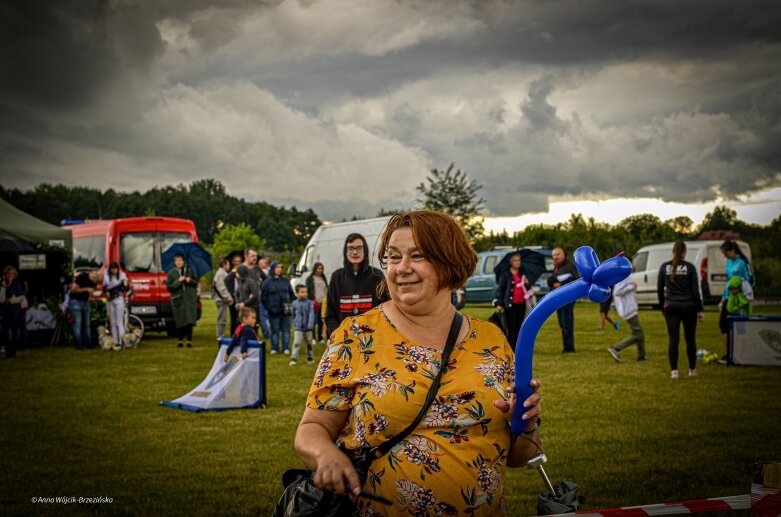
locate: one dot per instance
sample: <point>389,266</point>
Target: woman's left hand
<point>507,407</point>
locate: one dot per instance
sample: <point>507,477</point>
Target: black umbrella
<point>561,497</point>
<point>532,264</point>
<point>234,253</point>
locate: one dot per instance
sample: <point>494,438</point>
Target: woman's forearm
<point>312,439</point>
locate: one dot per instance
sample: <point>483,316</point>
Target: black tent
<point>40,251</point>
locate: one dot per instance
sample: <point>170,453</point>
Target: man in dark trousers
<point>353,288</point>
<point>564,272</point>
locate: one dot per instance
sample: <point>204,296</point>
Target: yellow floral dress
<point>454,462</point>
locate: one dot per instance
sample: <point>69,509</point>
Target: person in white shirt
<point>626,307</point>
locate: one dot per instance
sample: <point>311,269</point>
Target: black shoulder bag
<point>301,498</point>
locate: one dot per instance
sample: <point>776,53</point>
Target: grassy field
<point>89,424</point>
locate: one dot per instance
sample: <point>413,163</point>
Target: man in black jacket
<point>353,288</point>
<point>564,272</point>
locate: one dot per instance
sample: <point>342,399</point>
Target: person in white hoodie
<point>626,307</point>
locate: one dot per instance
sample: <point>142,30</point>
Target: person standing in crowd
<point>183,286</point>
<point>678,289</point>
<point>277,297</point>
<point>222,297</point>
<point>739,266</point>
<point>248,292</point>
<point>564,272</point>
<point>264,265</point>
<point>11,297</point>
<point>353,288</point>
<point>264,271</point>
<point>232,286</point>
<point>84,284</point>
<point>451,453</point>
<point>303,324</point>
<point>251,261</point>
<point>511,296</point>
<point>317,287</point>
<point>115,285</point>
<point>626,307</point>
<point>604,310</point>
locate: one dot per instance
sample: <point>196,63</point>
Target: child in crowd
<point>626,306</point>
<point>303,324</point>
<point>244,333</point>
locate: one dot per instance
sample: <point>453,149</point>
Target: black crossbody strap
<point>455,328</point>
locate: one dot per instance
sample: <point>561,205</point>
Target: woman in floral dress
<point>374,377</point>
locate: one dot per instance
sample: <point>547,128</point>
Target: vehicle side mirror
<point>291,271</point>
<point>304,269</point>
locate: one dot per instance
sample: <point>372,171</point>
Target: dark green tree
<point>453,193</point>
<point>721,218</point>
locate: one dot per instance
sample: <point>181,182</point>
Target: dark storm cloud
<point>533,99</point>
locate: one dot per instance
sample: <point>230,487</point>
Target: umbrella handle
<point>595,282</point>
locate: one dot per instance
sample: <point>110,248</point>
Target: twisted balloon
<point>595,281</point>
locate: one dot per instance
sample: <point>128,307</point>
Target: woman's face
<point>10,275</point>
<point>319,271</point>
<point>412,279</point>
<point>729,253</point>
<point>515,262</point>
<point>178,262</point>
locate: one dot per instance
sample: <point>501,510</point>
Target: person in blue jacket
<point>737,265</point>
<point>277,296</point>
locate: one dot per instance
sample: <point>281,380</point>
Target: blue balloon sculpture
<point>595,281</point>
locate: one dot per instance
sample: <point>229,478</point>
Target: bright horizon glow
<point>759,208</point>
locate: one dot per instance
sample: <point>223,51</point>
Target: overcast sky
<point>343,106</point>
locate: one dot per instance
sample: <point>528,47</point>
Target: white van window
<point>489,265</point>
<point>309,258</point>
<point>89,251</point>
<point>640,262</point>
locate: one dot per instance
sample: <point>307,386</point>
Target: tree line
<point>205,202</point>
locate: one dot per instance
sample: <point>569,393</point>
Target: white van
<point>327,246</point>
<point>706,257</point>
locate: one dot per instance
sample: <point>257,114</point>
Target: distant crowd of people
<point>314,309</point>
<point>678,292</point>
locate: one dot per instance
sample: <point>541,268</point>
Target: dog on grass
<point>106,341</point>
<point>131,339</point>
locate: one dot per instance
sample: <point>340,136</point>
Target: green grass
<point>87,424</point>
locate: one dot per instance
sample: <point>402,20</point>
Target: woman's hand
<point>507,407</point>
<point>499,309</point>
<point>335,472</point>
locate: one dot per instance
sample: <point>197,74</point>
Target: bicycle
<point>132,322</point>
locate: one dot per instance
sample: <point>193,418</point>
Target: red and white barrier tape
<point>715,504</point>
<point>765,500</point>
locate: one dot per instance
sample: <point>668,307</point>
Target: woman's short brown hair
<point>442,242</point>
